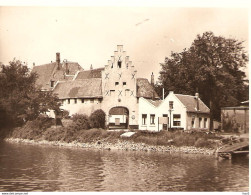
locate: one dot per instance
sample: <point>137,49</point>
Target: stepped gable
<point>87,74</point>
<point>145,89</point>
<point>84,88</point>
<point>191,103</point>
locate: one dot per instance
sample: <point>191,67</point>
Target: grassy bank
<point>35,130</point>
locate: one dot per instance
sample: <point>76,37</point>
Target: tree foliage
<point>97,119</point>
<point>20,99</point>
<point>212,66</point>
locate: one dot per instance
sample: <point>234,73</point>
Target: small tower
<point>91,67</point>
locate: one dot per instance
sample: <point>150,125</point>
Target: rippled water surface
<point>48,168</point>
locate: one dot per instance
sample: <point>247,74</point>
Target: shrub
<point>33,129</point>
<point>80,121</point>
<point>65,114</point>
<point>201,142</point>
<point>97,119</point>
<point>54,134</point>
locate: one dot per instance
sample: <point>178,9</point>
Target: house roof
<point>91,88</point>
<point>191,103</point>
<point>88,74</point>
<point>145,89</point>
<point>48,72</point>
<point>44,73</point>
<point>156,103</point>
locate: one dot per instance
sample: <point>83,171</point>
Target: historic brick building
<point>127,100</point>
<point>116,89</point>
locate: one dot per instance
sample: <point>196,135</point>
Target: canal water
<point>26,167</point>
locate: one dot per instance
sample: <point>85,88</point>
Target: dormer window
<point>119,64</point>
<point>52,83</point>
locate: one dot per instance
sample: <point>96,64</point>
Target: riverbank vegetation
<point>21,101</point>
<point>78,129</point>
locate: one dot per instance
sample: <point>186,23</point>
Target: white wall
<point>146,107</point>
<point>178,108</point>
<point>121,117</point>
<point>81,108</point>
<point>123,95</point>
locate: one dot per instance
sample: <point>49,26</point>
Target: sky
<point>90,35</point>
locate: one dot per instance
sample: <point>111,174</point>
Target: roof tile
<point>191,103</point>
<point>145,89</point>
<point>79,88</point>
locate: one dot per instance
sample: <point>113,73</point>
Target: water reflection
<point>47,168</point>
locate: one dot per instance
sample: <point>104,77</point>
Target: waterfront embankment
<point>118,145</point>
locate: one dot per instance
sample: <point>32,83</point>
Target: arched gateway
<point>118,118</point>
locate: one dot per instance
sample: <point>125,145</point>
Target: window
<point>200,120</point>
<point>144,117</point>
<point>69,101</point>
<point>119,64</point>
<point>124,83</point>
<point>205,122</point>
<point>83,100</point>
<point>99,100</point>
<point>127,92</point>
<point>116,83</point>
<point>152,118</point>
<point>112,92</point>
<point>75,101</point>
<point>193,122</point>
<point>176,120</point>
<point>52,83</point>
<point>92,100</point>
<point>170,105</point>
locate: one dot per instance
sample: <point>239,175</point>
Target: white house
<point>175,111</point>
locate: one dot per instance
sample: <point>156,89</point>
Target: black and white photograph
<point>124,97</point>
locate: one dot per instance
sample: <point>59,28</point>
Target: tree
<point>20,99</point>
<point>211,66</point>
<point>97,119</point>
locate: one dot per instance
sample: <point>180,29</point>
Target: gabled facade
<point>175,111</point>
<point>115,89</point>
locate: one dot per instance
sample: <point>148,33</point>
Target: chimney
<point>91,67</point>
<point>58,60</point>
<point>152,79</point>
<point>197,101</point>
<point>33,64</point>
<point>67,67</point>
